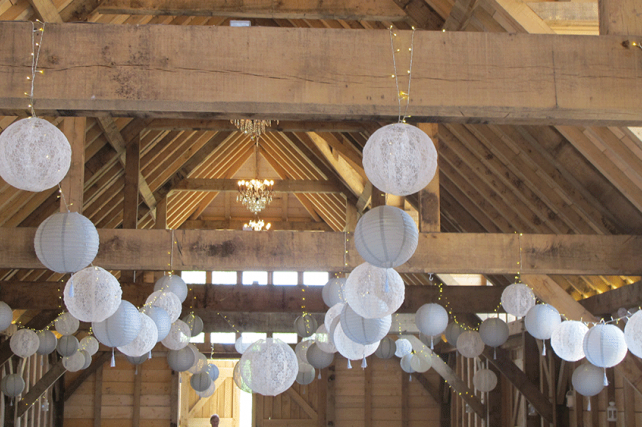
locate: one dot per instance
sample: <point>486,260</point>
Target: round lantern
<point>67,345</point>
<point>66,324</point>
<point>470,344</point>
<point>386,348</point>
<point>405,363</point>
<point>74,362</point>
<point>633,333</point>
<point>331,315</point>
<point>301,350</point>
<point>493,332</point>
<point>541,320</point>
<point>174,284</point>
<point>322,339</point>
<point>92,294</point>
<point>137,360</point>
<point>181,360</point>
<point>400,159</point>
<point>34,155</point>
<point>361,330</point>
<point>168,301</point>
<point>6,316</point>
<point>195,324</point>
<point>200,382</point>
<point>24,343</point>
<point>87,357</point>
<point>604,345</point>
<point>588,380</point>
<point>89,344</point>
<point>212,371</point>
<point>420,364</point>
<point>200,364</point>
<point>306,374</point>
<point>48,342</point>
<point>207,393</point>
<point>518,299</point>
<point>452,332</point>
<point>319,358</point>
<point>567,340</point>
<point>178,336</point>
<point>12,385</point>
<point>402,347</point>
<point>238,379</point>
<point>386,237</point>
<point>241,345</point>
<point>332,292</point>
<point>121,328</point>
<point>66,242</point>
<point>350,349</point>
<point>269,367</point>
<point>160,318</point>
<point>374,292</point>
<point>305,325</point>
<point>485,380</point>
<point>144,341</point>
<point>431,319</point>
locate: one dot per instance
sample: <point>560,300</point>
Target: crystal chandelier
<point>257,225</point>
<point>254,128</point>
<point>255,194</point>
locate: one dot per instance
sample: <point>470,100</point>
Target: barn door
<point>299,406</point>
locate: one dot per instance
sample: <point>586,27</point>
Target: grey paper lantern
<point>406,366</point>
<point>332,292</point>
<point>386,237</point>
<point>66,324</point>
<point>137,360</point>
<point>178,336</point>
<point>605,346</point>
<point>431,319</point>
<point>306,374</point>
<point>402,347</point>
<point>145,340</point>
<point>201,381</point>
<point>200,363</point>
<point>541,320</point>
<point>386,348</point>
<point>212,371</point>
<point>195,324</point>
<point>588,380</point>
<point>319,358</point>
<point>633,333</point>
<point>269,367</point>
<point>66,242</point>
<point>92,294</point>
<point>470,344</point>
<point>305,325</point>
<point>322,339</point>
<point>6,316</point>
<point>89,344</point>
<point>121,328</point>
<point>452,332</point>
<point>24,343</point>
<point>207,393</point>
<point>12,385</point>
<point>518,299</point>
<point>48,342</point>
<point>374,292</point>
<point>160,318</point>
<point>567,340</point>
<point>168,301</point>
<point>350,349</point>
<point>238,379</point>
<point>181,360</point>
<point>174,284</point>
<point>485,380</point>
<point>74,362</point>
<point>67,345</point>
<point>361,330</point>
<point>493,332</point>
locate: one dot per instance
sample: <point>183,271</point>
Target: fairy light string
<point>402,94</point>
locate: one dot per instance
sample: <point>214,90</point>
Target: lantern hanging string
<point>36,45</point>
<point>401,94</point>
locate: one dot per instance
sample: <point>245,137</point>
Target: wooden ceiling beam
<point>281,126</point>
<point>237,224</point>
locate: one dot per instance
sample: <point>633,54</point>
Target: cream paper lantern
<point>48,342</point>
<point>241,344</point>
<point>200,364</point>
<point>493,332</point>
<point>269,367</point>
<point>121,328</point>
<point>301,350</point>
<point>322,340</point>
<point>431,319</point>
<point>67,345</point>
<point>89,344</point>
<point>87,357</point>
<point>195,324</point>
<point>332,292</point>
<point>160,318</point>
<point>306,374</point>
<point>374,292</point>
<point>178,336</point>
<point>470,344</point>
<point>207,393</point>
<point>420,364</point>
<point>92,294</point>
<point>386,348</point>
<point>66,324</point>
<point>402,347</point>
<point>386,237</point>
<point>174,284</point>
<point>201,381</point>
<point>181,360</point>
<point>34,155</point>
<point>350,349</point>
<point>66,242</point>
<point>12,385</point>
<point>212,371</point>
<point>137,360</point>
<point>24,343</point>
<point>331,315</point>
<point>588,380</point>
<point>318,358</point>
<point>518,299</point>
<point>452,332</point>
<point>604,345</point>
<point>145,340</point>
<point>485,380</point>
<point>400,159</point>
<point>168,301</point>
<point>405,363</point>
<point>6,316</point>
<point>238,379</point>
<point>361,330</point>
<point>74,362</point>
<point>633,333</point>
<point>567,340</point>
<point>305,325</point>
<point>541,320</point>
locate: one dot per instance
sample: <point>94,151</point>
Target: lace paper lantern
<point>470,344</point>
<point>452,332</point>
<point>6,316</point>
<point>402,347</point>
<point>400,159</point>
<point>67,345</point>
<point>89,344</point>
<point>66,242</point>
<point>605,346</point>
<point>200,364</point>
<point>92,294</point>
<point>178,336</point>
<point>541,320</point>
<point>350,349</point>
<point>420,364</point>
<point>518,299</point>
<point>160,318</point>
<point>121,328</point>
<point>305,325</point>
<point>24,343</point>
<point>48,342</point>
<point>633,333</point>
<point>212,371</point>
<point>74,362</point>
<point>361,330</point>
<point>567,340</point>
<point>34,155</point>
<point>144,341</point>
<point>241,344</point>
<point>406,366</point>
<point>485,380</point>
<point>306,374</point>
<point>207,393</point>
<point>386,237</point>
<point>195,324</point>
<point>493,332</point>
<point>332,314</point>
<point>12,385</point>
<point>301,350</point>
<point>181,360</point>
<point>238,379</point>
<point>137,360</point>
<point>66,324</point>
<point>322,339</point>
<point>386,348</point>
<point>168,301</point>
<point>269,367</point>
<point>374,292</point>
<point>174,284</point>
<point>588,380</point>
<point>87,357</point>
<point>319,358</point>
<point>332,292</point>
<point>201,381</point>
<point>431,319</point>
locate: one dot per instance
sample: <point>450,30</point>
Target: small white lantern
<point>74,362</point>
<point>305,325</point>
<point>121,328</point>
<point>402,347</point>
<point>485,380</point>
<point>67,345</point>
<point>6,316</point>
<point>301,350</point>
<point>452,332</point>
<point>332,314</point>
<point>12,385</point>
<point>350,349</point>
<point>332,292</point>
<point>386,348</point>
<point>212,371</point>
<point>238,379</point>
<point>406,364</point>
<point>195,324</point>
<point>604,345</point>
<point>319,358</point>
<point>87,357</point>
<point>168,301</point>
<point>24,343</point>
<point>174,284</point>
<point>588,380</point>
<point>361,330</point>
<point>322,339</point>
<point>541,320</point>
<point>431,319</point>
<point>92,294</point>
<point>374,292</point>
<point>178,336</point>
<point>242,344</point>
<point>89,344</point>
<point>181,360</point>
<point>207,393</point>
<point>633,333</point>
<point>144,341</point>
<point>66,324</point>
<point>160,318</point>
<point>518,299</point>
<point>567,340</point>
<point>306,374</point>
<point>48,342</point>
<point>611,413</point>
<point>420,364</point>
<point>493,332</point>
<point>269,367</point>
<point>470,344</point>
<point>200,382</point>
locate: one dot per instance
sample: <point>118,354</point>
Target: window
<point>315,278</point>
<point>249,277</point>
<point>223,337</point>
<point>198,339</point>
<point>285,278</point>
<point>193,277</point>
<point>224,277</point>
<point>286,337</point>
<point>252,337</point>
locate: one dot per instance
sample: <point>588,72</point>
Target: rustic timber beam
<point>96,363</point>
<point>53,374</point>
<point>281,126</point>
<point>230,224</point>
<point>605,304</point>
<point>536,78</point>
<point>280,186</point>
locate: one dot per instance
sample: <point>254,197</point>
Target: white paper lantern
<point>66,242</point>
<point>350,349</point>
<point>470,344</point>
<point>452,332</point>
<point>181,360</point>
<point>402,347</point>
<point>322,339</point>
<point>405,363</point>
<point>400,159</point>
<point>588,380</point>
<point>201,381</point>
<point>74,362</point>
<point>66,324</point>
<point>420,364</point>
<point>137,360</point>
<point>305,325</point>
<point>386,237</point>
<point>92,294</point>
<point>301,350</point>
<point>386,348</point>
<point>160,318</point>
<point>212,371</point>
<point>493,332</point>
<point>178,336</point>
<point>89,344</point>
<point>567,340</point>
<point>67,345</point>
<point>431,319</point>
<point>269,367</point>
<point>430,341</point>
<point>12,385</point>
<point>200,364</point>
<point>24,343</point>
<point>541,320</point>
<point>34,154</point>
<point>374,292</point>
<point>87,357</point>
<point>306,374</point>
<point>485,380</point>
<point>332,292</point>
<point>207,393</point>
<point>174,284</point>
<point>633,333</point>
<point>604,345</point>
<point>6,316</point>
<point>518,299</point>
<point>48,342</point>
<point>361,330</point>
<point>241,344</point>
<point>144,341</point>
<point>238,379</point>
<point>195,324</point>
<point>319,358</point>
<point>168,301</point>
<point>121,328</point>
<point>331,315</point>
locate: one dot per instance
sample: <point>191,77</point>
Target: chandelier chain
<point>396,75</point>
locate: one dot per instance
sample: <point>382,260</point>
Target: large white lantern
<point>485,380</point>
<point>12,385</point>
<point>452,332</point>
<point>174,284</point>
<point>374,292</point>
<point>470,344</point>
<point>74,362</point>
<point>269,367</point>
<point>144,341</point>
<point>66,324</point>
<point>588,380</point>
<point>350,349</point>
<point>604,345</point>
<point>48,342</point>
<point>305,325</point>
<point>160,318</point>
<point>238,378</point>
<point>66,242</point>
<point>400,159</point>
<point>386,348</point>
<point>181,360</point>
<point>402,347</point>
<point>24,343</point>
<point>567,340</point>
<point>200,381</point>
<point>493,332</point>
<point>67,345</point>
<point>332,292</point>
<point>178,336</point>
<point>541,320</point>
<point>34,154</point>
<point>6,315</point>
<point>431,319</point>
<point>168,301</point>
<point>318,358</point>
<point>121,328</point>
<point>386,237</point>
<point>518,299</point>
<point>89,344</point>
<point>92,294</point>
<point>322,339</point>
<point>331,315</point>
<point>195,324</point>
<point>361,330</point>
<point>306,374</point>
<point>633,333</point>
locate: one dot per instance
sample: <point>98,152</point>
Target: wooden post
<point>330,396</point>
<point>351,217</point>
<point>98,397</point>
<point>73,184</point>
<point>378,198</point>
<point>531,369</point>
<point>322,396</point>
<point>405,416</point>
<point>138,379</point>
<point>367,406</point>
<point>495,399</point>
<point>429,219</point>
<point>174,400</point>
<point>130,204</point>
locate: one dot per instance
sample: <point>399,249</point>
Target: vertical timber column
<point>130,204</point>
<point>429,220</point>
<point>378,198</point>
<point>73,185</point>
<point>161,224</point>
<point>98,397</point>
<point>367,402</point>
<point>138,380</point>
<point>531,369</point>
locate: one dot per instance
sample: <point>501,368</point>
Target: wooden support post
<point>34,393</point>
<point>495,401</point>
<point>330,396</point>
<point>351,217</point>
<point>322,396</point>
<point>138,380</point>
<point>378,198</point>
<point>161,214</point>
<point>531,369</point>
<point>629,405</point>
<point>562,414</point>
<point>98,397</point>
<point>58,400</point>
<point>405,416</point>
<point>130,204</point>
<point>610,394</point>
<point>367,406</point>
<point>73,184</point>
<point>174,400</point>
<point>429,213</point>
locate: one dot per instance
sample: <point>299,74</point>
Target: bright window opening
<point>252,337</point>
<point>224,277</point>
<point>250,277</point>
<point>193,277</point>
<point>198,339</point>
<point>223,337</point>
<point>286,337</point>
<point>285,278</point>
<point>315,278</point>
